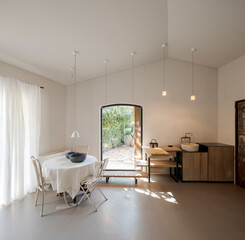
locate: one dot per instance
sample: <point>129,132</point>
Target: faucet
<point>190,134</point>
<point>186,138</point>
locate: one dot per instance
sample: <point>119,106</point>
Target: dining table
<point>66,176</point>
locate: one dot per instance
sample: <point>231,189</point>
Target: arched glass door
<point>121,135</point>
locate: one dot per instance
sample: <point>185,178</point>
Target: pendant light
<point>193,97</point>
<point>75,133</point>
<point>164,92</point>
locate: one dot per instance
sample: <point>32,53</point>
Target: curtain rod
<point>19,80</point>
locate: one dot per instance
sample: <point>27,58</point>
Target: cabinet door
<point>195,166</point>
<point>221,163</point>
<point>240,143</point>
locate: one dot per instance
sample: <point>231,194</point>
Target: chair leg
<point>81,199</point>
<point>92,203</point>
<point>102,193</point>
<point>42,202</point>
<point>64,196</point>
<point>37,195</point>
<point>87,193</point>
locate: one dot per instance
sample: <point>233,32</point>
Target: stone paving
<point>120,157</point>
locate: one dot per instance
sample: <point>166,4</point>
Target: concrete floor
<point>162,209</point>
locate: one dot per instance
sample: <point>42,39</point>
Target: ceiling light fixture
<point>106,62</point>
<point>164,92</point>
<point>193,97</point>
<point>75,133</point>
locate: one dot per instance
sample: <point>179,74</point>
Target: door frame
<point>101,129</point>
<point>236,139</point>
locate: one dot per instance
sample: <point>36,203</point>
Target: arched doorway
<point>121,135</point>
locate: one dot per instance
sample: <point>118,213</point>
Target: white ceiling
<point>216,28</point>
<point>39,36</point>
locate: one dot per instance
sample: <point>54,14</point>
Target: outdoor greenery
<point>117,123</point>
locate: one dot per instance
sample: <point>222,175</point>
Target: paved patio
<point>120,158</point>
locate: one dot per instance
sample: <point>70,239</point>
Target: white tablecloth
<point>66,176</point>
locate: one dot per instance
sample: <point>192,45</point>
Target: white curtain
<point>20,117</point>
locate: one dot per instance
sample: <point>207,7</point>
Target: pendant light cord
<point>193,66</point>
<point>75,133</point>
<point>75,77</point>
<point>132,54</point>
<point>164,75</point>
<point>106,61</point>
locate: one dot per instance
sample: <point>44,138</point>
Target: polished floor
<point>162,209</point>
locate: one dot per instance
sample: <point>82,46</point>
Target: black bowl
<point>77,157</point>
<point>68,154</point>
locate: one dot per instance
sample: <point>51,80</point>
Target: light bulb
<point>193,97</point>
<point>164,93</point>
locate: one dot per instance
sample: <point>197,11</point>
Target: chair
<point>82,149</point>
<point>93,182</point>
<point>42,186</point>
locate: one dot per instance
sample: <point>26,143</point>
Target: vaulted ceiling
<point>39,36</point>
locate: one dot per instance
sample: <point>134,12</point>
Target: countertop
<point>215,144</point>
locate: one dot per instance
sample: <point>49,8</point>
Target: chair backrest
<point>82,149</point>
<point>99,172</point>
<point>38,171</point>
<point>103,167</point>
<point>100,168</point>
<point>105,163</point>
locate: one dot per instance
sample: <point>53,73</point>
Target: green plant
<point>111,138</point>
<point>117,123</point>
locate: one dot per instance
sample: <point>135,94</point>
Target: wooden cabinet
<point>195,166</point>
<point>214,163</point>
<point>221,163</point>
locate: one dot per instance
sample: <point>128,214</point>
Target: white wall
<point>53,96</point>
<point>231,86</point>
<point>165,118</point>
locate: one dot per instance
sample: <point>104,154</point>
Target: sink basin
<point>189,147</point>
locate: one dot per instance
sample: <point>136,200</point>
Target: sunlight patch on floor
<point>146,180</point>
<point>167,196</point>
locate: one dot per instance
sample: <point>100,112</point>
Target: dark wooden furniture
<point>240,143</point>
<point>220,161</point>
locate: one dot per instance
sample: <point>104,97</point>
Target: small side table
<point>177,152</point>
<point>158,153</point>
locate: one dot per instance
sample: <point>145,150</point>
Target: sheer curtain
<point>20,114</point>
